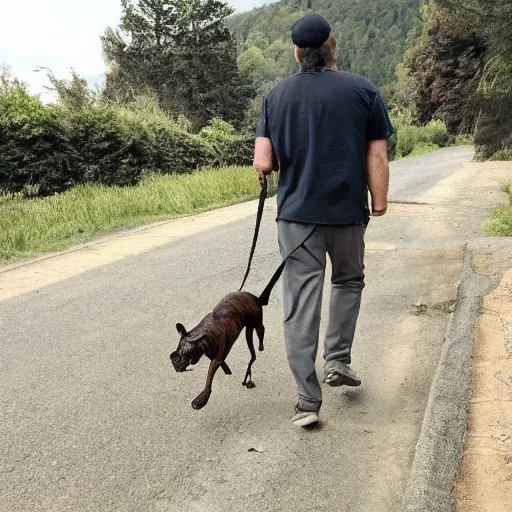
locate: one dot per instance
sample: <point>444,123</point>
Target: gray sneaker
<point>337,374</point>
<point>304,419</point>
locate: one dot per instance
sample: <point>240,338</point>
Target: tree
<point>459,69</point>
<point>440,72</point>
<point>448,68</point>
<point>493,105</point>
<point>182,50</point>
<point>73,94</point>
<point>7,80</point>
<point>262,70</point>
<point>371,35</point>
<point>258,39</point>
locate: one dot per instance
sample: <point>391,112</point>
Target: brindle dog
<point>215,335</point>
<point>217,332</point>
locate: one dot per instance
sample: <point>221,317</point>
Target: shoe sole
<point>338,380</point>
<point>307,420</point>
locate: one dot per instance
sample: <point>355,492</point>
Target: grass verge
<point>30,227</point>
<point>423,148</point>
<point>500,222</point>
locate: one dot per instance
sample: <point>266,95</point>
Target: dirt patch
<point>484,482</point>
<point>420,308</point>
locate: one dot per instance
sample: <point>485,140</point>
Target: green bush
<point>171,147</point>
<point>113,147</point>
<point>54,148</point>
<point>34,147</point>
<point>433,135</point>
<point>117,143</point>
<point>229,148</point>
<point>406,138</point>
<point>503,155</point>
<point>423,147</point>
<point>500,221</point>
<point>434,132</point>
<point>464,139</point>
<point>399,118</point>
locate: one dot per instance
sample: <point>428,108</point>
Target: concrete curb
<point>440,443</point>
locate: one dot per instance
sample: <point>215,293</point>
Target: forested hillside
<point>458,69</point>
<point>371,34</point>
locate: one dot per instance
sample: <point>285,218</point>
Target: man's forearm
<point>265,160</point>
<point>377,165</point>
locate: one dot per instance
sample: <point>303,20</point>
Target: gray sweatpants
<point>303,280</point>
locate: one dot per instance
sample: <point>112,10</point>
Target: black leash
<point>263,299</point>
<point>265,296</point>
<point>259,215</point>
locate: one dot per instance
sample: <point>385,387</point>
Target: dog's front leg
<point>225,367</point>
<point>202,399</point>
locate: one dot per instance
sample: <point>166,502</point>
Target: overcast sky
<point>60,34</point>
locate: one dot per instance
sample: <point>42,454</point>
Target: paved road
<point>93,418</point>
<point>415,176</point>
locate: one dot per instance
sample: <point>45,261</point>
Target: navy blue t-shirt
<point>320,124</point>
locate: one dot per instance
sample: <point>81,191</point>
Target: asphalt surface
<point>414,176</point>
<point>94,418</point>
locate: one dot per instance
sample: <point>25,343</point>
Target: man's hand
<point>265,160</point>
<point>379,211</point>
<point>377,168</point>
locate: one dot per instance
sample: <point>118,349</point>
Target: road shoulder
<point>484,481</point>
<point>444,453</point>
<point>440,443</point>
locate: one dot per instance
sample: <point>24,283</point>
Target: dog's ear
<point>181,329</point>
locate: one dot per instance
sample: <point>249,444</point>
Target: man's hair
<point>315,59</point>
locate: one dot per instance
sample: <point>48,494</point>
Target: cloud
<point>58,34</point>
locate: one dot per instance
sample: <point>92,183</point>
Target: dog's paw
<point>200,401</point>
<point>250,385</point>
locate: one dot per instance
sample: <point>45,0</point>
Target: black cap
<point>311,31</point>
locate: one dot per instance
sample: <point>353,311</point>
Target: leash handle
<point>259,215</point>
<point>263,185</point>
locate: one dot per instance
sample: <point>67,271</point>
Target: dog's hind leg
<point>260,331</point>
<point>248,383</point>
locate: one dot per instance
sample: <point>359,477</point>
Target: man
<point>327,133</point>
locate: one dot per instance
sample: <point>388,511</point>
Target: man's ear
<point>181,329</point>
<point>296,52</point>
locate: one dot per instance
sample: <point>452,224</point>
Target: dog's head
<point>189,350</point>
